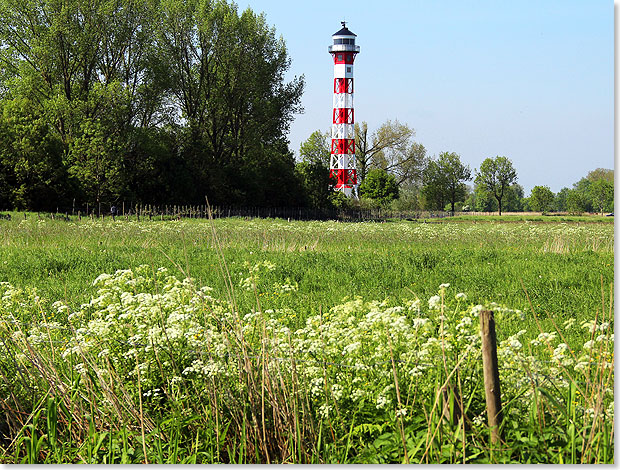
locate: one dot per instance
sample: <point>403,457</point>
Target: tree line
<point>169,101</point>
<point>157,101</point>
<point>395,172</point>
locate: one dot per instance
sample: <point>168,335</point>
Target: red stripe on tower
<point>342,164</point>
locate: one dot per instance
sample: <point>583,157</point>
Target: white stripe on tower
<point>342,164</point>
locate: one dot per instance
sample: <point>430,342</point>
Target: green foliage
<point>577,200</point>
<point>560,200</point>
<point>495,176</point>
<point>408,199</point>
<point>144,100</point>
<point>594,193</point>
<point>601,174</point>
<point>434,182</point>
<point>31,166</point>
<point>316,149</point>
<point>317,186</point>
<point>444,181</point>
<point>601,192</point>
<point>541,199</point>
<point>389,148</point>
<point>380,186</point>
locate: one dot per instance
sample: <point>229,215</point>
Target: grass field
<point>392,305</point>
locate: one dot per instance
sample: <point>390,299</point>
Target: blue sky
<point>530,80</point>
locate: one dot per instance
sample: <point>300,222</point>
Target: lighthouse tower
<point>342,163</point>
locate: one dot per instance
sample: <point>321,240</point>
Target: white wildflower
<point>382,401</point>
<point>337,392</point>
<point>434,302</point>
<point>414,305</point>
<point>324,410</point>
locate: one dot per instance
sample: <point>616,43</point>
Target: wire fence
<point>127,211</point>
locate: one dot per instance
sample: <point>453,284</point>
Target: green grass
<point>560,266</point>
<point>555,271</point>
<point>526,217</point>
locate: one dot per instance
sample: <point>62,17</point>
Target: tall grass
<point>279,365</point>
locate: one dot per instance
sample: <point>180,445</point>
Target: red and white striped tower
<point>342,163</point>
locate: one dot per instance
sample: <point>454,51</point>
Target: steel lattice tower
<point>342,164</point>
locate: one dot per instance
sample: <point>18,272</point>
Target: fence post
<point>491,374</point>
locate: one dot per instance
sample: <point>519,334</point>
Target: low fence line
<point>176,212</point>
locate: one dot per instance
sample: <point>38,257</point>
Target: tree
<point>482,201</point>
<point>580,200</point>
<point>560,200</point>
<point>434,184</point>
<point>541,199</point>
<point>380,186</point>
<point>82,65</point>
<point>316,184</point>
<point>227,79</point>
<point>316,149</point>
<point>444,181</point>
<point>31,170</point>
<point>495,176</point>
<point>602,195</point>
<point>189,94</point>
<point>408,198</point>
<point>601,189</point>
<point>601,173</point>
<point>577,202</point>
<point>389,148</point>
<point>514,199</point>
<point>455,174</point>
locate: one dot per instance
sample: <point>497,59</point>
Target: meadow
<point>280,341</point>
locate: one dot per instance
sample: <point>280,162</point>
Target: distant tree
<point>541,199</point>
<point>479,200</point>
<point>514,198</point>
<point>408,198</point>
<point>577,202</point>
<point>317,148</point>
<point>559,203</point>
<point>434,186</point>
<point>580,199</point>
<point>443,181</point>
<point>601,174</point>
<point>389,148</point>
<point>495,176</point>
<point>455,174</point>
<point>601,193</point>
<point>482,201</point>
<point>317,186</point>
<point>601,189</point>
<point>380,186</point>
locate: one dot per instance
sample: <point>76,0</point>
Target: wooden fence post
<point>491,374</point>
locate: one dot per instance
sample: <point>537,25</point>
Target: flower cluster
<point>145,324</point>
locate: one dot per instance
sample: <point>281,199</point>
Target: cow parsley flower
<point>434,302</point>
<point>402,412</point>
